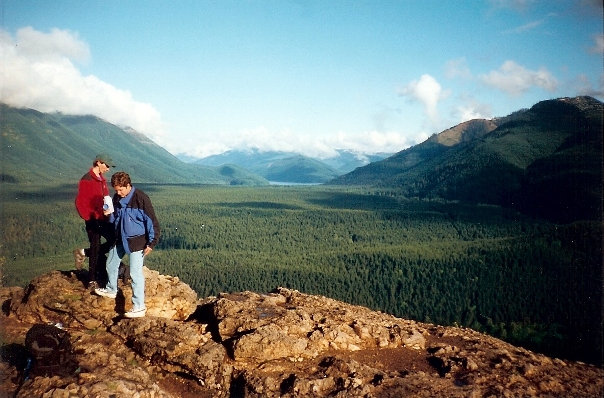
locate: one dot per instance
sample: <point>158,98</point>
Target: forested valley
<point>528,281</point>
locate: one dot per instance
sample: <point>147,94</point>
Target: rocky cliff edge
<point>280,344</point>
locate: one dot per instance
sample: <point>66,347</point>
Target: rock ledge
<point>281,344</point>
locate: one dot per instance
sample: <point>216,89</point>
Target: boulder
<point>61,297</point>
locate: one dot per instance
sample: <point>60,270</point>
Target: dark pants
<point>96,253</point>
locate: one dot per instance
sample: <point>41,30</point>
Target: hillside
<point>289,166</point>
<point>275,166</point>
<point>55,148</point>
<point>545,161</point>
<point>299,169</point>
<point>245,344</point>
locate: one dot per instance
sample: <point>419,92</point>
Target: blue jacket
<point>135,222</point>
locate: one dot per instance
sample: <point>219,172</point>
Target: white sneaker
<point>136,313</point>
<point>101,291</point>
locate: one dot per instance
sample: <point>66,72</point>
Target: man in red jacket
<point>92,188</point>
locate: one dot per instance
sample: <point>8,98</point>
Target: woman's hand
<point>147,251</point>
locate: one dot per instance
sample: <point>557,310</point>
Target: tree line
<point>528,281</point>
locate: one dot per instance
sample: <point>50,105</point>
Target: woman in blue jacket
<point>136,234</point>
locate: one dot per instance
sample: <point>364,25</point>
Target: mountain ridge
<point>465,131</point>
<point>289,166</point>
<point>545,161</point>
<point>555,142</point>
<point>41,148</point>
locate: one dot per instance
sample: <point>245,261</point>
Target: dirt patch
<point>183,387</point>
<point>400,359</point>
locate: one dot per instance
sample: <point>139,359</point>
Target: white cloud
<point>372,141</point>
<point>598,47</point>
<point>259,138</point>
<point>194,149</point>
<point>267,140</point>
<point>530,25</point>
<point>582,85</point>
<point>38,72</point>
<point>472,110</point>
<point>457,68</point>
<point>427,91</point>
<point>56,44</point>
<point>515,79</point>
<point>524,28</point>
<point>325,147</point>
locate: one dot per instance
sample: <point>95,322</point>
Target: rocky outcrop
<point>280,344</point>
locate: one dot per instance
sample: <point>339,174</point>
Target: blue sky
<point>202,77</point>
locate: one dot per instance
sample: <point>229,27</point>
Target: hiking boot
<point>136,313</point>
<point>93,285</point>
<point>79,256</point>
<point>103,292</point>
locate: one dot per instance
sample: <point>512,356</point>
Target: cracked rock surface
<point>279,344</point>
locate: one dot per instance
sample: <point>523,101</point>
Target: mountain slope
<point>55,148</point>
<point>546,160</point>
<point>299,169</point>
<point>465,132</point>
<point>413,161</point>
<point>568,182</point>
<point>289,166</point>
<point>275,165</point>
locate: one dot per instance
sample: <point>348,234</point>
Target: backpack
<point>50,352</point>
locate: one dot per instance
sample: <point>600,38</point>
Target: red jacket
<point>89,201</point>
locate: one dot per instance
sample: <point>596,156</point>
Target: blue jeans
<point>136,260</point>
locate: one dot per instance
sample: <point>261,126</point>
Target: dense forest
<point>528,281</point>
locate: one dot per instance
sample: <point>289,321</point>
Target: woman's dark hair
<point>120,179</point>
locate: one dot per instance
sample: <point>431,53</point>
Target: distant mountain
<point>39,148</point>
<point>346,161</point>
<point>300,169</point>
<point>546,160</point>
<point>251,159</point>
<point>275,166</point>
<point>289,166</point>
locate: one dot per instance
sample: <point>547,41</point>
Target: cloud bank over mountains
<point>43,71</point>
<point>40,71</point>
